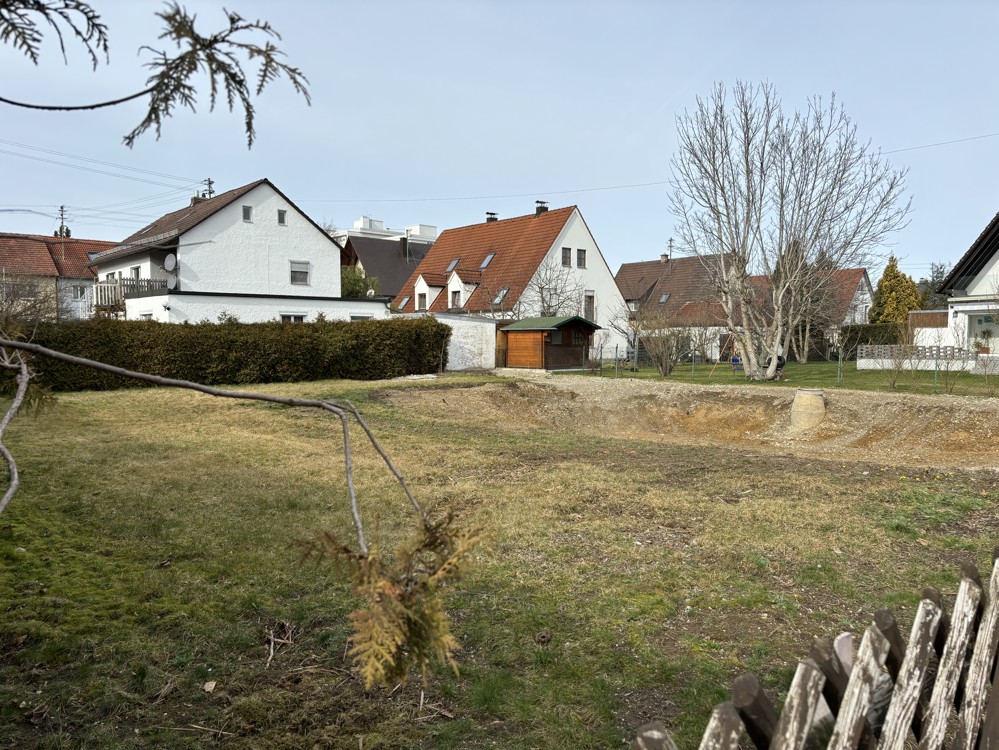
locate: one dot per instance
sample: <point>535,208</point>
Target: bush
<point>869,333</point>
<point>233,353</point>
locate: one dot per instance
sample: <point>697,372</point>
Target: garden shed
<point>546,343</point>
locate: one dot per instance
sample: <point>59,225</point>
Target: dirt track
<point>899,430</point>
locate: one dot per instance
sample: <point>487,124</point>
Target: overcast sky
<point>436,112</point>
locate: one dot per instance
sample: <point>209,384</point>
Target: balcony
<point>111,295</point>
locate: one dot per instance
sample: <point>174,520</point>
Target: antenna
<point>209,183</point>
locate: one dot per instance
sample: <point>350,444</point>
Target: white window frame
<point>293,317</point>
<point>580,257</point>
<point>421,301</point>
<point>248,214</point>
<point>567,257</point>
<point>282,217</point>
<point>307,270</point>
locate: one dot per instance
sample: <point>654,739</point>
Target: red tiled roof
<point>519,245</point>
<point>684,279</point>
<point>846,282</point>
<point>41,255</point>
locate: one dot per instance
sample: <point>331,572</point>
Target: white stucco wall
<point>986,283</point>
<point>226,254</point>
<point>473,341</point>
<point>194,308</point>
<point>596,277</point>
<point>421,287</point>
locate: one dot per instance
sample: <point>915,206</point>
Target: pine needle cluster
<point>403,626</point>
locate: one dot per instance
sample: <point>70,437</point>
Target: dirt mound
<point>901,430</point>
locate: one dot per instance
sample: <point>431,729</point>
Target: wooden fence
<point>891,696</point>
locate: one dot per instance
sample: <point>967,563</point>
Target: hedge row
<point>870,333</point>
<point>232,352</point>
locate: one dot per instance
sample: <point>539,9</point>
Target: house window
<point>662,300</point>
<point>567,256</point>
<point>500,295</point>
<point>134,271</point>
<point>292,318</point>
<point>590,306</point>
<point>247,213</point>
<point>633,304</point>
<point>145,316</point>
<point>109,276</point>
<point>578,338</point>
<point>405,301</point>
<point>421,301</point>
<point>282,217</point>
<point>355,318</point>
<point>299,272</point>
<point>487,260</point>
<point>456,298</point>
<point>79,291</point>
<point>580,258</point>
<point>556,338</point>
<point>451,265</point>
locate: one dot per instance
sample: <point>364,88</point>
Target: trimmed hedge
<point>869,333</point>
<point>232,352</point>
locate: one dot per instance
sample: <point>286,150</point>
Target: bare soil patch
<point>891,429</point>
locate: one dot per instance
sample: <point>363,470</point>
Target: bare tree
<point>170,84</point>
<point>554,290</point>
<point>790,198</point>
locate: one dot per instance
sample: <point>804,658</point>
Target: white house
<point>249,253</point>
<point>542,264</point>
<point>973,287</point>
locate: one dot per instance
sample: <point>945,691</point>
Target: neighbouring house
<point>554,343</point>
<point>47,278</point>
<point>391,261</point>
<point>389,255</point>
<point>545,264</point>
<point>249,253</point>
<point>672,293</point>
<point>972,316</point>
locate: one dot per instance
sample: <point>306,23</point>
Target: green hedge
<point>869,333</point>
<point>231,352</point>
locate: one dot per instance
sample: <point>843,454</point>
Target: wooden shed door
<point>525,349</point>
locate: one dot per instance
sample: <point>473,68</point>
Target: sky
<point>438,111</point>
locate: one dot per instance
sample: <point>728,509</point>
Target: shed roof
<point>549,324</point>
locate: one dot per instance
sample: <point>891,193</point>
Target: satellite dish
<point>371,293</point>
<point>173,281</point>
<point>170,262</point>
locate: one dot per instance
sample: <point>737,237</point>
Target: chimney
<point>196,199</point>
<point>404,246</point>
<point>664,258</point>
<point>540,207</point>
<point>491,216</point>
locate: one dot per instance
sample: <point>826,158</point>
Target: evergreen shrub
<point>238,353</point>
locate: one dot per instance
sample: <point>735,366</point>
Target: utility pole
<point>669,249</point>
<point>210,192</point>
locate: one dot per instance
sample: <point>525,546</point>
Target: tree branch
<point>23,377</point>
<point>342,409</point>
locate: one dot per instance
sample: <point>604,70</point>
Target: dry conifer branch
<point>403,625</point>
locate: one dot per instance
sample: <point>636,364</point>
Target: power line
<point>941,143</point>
<point>97,161</point>
<point>95,171</point>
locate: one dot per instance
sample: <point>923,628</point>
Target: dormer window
<point>452,265</point>
<point>247,213</point>
<point>487,260</point>
<point>455,299</point>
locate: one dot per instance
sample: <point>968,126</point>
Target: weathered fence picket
<point>893,695</point>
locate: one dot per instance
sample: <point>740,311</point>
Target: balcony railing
<point>114,293</point>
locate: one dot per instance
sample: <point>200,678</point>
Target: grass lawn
<point>824,374</point>
<point>150,555</point>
